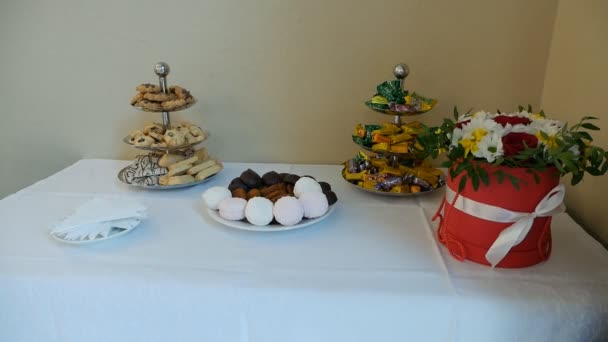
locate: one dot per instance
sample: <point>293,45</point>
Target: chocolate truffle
<point>237,183</point>
<point>325,186</point>
<point>271,178</point>
<point>291,179</point>
<point>251,179</point>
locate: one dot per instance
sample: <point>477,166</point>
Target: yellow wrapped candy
<point>388,129</point>
<point>414,188</point>
<point>391,170</point>
<point>379,163</point>
<point>369,184</point>
<point>354,176</point>
<point>379,138</point>
<point>400,148</point>
<point>395,139</point>
<point>378,99</point>
<point>380,147</point>
<point>359,131</point>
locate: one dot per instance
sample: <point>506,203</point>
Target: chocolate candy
<point>291,179</point>
<point>240,193</point>
<point>325,186</point>
<point>251,178</point>
<point>331,197</point>
<point>413,180</point>
<point>271,178</point>
<point>237,183</point>
<point>388,183</point>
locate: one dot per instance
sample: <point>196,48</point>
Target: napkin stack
<point>100,218</point>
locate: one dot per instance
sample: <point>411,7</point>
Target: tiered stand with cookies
<point>172,160</point>
<point>394,168</point>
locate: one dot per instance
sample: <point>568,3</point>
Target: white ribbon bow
<point>511,236</point>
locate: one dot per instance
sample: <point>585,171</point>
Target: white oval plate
<point>244,225</point>
<point>114,233</point>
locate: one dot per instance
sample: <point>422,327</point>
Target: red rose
<point>513,143</point>
<point>462,123</point>
<point>513,120</point>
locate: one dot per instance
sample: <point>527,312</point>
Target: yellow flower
<point>438,131</point>
<point>550,142</point>
<point>470,144</point>
<point>536,116</point>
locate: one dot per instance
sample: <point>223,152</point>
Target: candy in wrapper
<point>380,147</point>
<point>359,131</point>
<point>413,180</point>
<point>388,183</point>
<point>353,166</point>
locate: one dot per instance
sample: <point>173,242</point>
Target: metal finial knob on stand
<point>400,71</point>
<point>162,70</point>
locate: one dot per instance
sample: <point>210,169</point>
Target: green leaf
<point>576,178</point>
<point>392,91</point>
<point>483,174</point>
<point>529,109</point>
<point>542,113</point>
<point>463,183</point>
<point>500,175</point>
<point>520,108</point>
<point>593,171</point>
<point>456,115</point>
<point>589,118</point>
<point>590,126</point>
<point>514,181</point>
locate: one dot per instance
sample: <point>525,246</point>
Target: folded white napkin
<point>98,217</point>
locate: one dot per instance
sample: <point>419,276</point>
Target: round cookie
<point>271,178</point>
<point>251,178</point>
<point>173,104</point>
<point>143,140</point>
<point>159,97</point>
<point>138,97</point>
<point>306,184</point>
<point>232,209</point>
<point>174,138</point>
<point>154,127</point>
<point>213,196</point>
<point>288,211</point>
<point>149,105</point>
<point>147,88</point>
<point>259,211</point>
<point>315,204</point>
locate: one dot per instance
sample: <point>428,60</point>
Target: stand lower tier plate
<point>122,178</point>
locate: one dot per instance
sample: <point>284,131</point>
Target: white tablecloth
<point>372,271</point>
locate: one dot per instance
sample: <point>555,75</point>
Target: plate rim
<point>166,187</point>
<point>266,229</point>
<point>85,242</point>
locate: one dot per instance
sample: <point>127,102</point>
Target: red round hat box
<point>469,237</point>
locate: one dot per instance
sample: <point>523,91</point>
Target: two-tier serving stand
<point>162,69</point>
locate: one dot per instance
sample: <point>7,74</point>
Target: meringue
<point>288,211</point>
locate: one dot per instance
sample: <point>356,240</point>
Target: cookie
<point>149,105</point>
<point>136,98</point>
<point>178,170</point>
<point>173,104</point>
<point>179,91</point>
<point>291,179</point>
<point>159,97</point>
<point>190,161</point>
<point>148,88</point>
<point>154,127</point>
<point>253,193</point>
<point>193,140</point>
<point>135,133</point>
<point>159,144</point>
<point>195,131</point>
<point>208,172</point>
<point>170,159</point>
<point>174,138</point>
<point>276,187</point>
<point>143,140</point>
<point>331,197</point>
<point>239,193</point>
<point>200,167</point>
<point>202,154</point>
<point>157,137</point>
<point>176,180</point>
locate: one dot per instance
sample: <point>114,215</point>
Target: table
<point>372,271</point>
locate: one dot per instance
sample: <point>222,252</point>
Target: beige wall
<point>277,80</point>
<point>576,84</point>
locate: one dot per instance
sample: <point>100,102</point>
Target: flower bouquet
<point>491,221</point>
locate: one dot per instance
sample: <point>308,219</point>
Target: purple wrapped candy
<point>388,183</point>
<point>413,180</point>
<point>352,166</point>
